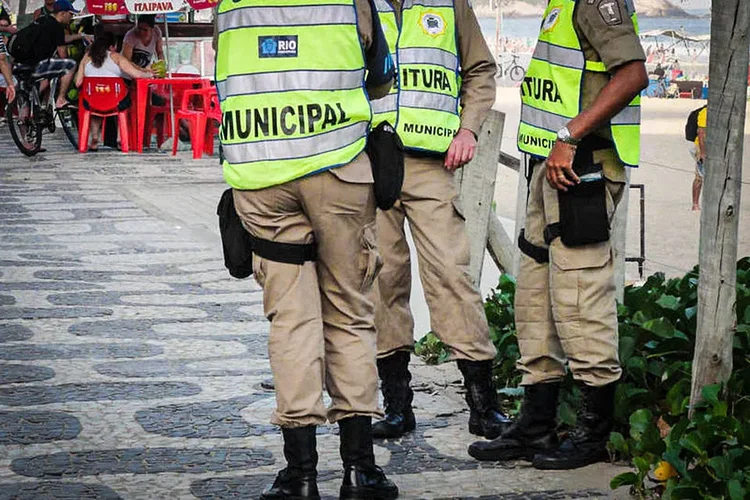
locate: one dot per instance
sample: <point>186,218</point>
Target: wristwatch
<point>563,135</point>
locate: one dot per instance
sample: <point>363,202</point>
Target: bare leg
<point>697,185</point>
<point>64,86</point>
<point>96,124</point>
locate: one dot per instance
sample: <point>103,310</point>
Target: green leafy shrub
<point>657,330</point>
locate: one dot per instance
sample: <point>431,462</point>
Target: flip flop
<point>93,150</point>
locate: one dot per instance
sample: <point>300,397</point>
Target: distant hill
<point>535,8</point>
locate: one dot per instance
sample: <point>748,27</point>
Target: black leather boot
<point>484,418</point>
<point>299,480</point>
<point>532,432</point>
<point>363,480</point>
<point>587,442</point>
<point>395,377</point>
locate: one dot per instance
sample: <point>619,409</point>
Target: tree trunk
<point>21,7</point>
<point>719,220</point>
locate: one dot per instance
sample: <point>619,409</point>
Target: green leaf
<point>567,414</point>
<point>722,466</point>
<point>693,442</point>
<point>618,442</point>
<point>735,489</point>
<point>640,420</point>
<point>661,327</point>
<point>624,479</point>
<point>642,465</point>
<point>627,348</point>
<point>710,393</point>
<point>691,312</point>
<point>669,302</point>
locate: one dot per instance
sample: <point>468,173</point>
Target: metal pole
<point>169,73</point>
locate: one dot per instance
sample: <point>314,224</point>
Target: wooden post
<point>476,185</point>
<point>721,194</point>
<point>620,237</point>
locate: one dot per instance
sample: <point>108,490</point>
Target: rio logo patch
<point>277,46</point>
<point>551,20</point>
<point>432,24</point>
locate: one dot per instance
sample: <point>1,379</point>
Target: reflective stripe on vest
<point>551,90</point>
<point>424,105</point>
<point>290,105</point>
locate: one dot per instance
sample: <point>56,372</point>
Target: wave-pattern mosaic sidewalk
<point>131,364</point>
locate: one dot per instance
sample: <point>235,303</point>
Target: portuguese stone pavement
<point>131,364</point>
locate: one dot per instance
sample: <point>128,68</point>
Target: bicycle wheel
<point>69,121</point>
<point>26,133</point>
<point>517,73</point>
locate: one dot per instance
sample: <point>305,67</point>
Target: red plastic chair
<point>199,107</point>
<point>177,89</point>
<point>102,96</point>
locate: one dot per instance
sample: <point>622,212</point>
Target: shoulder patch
<point>610,12</point>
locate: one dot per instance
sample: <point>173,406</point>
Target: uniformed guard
<point>446,87</point>
<point>580,128</point>
<point>294,99</point>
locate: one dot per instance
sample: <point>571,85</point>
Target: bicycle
<point>513,70</point>
<point>28,116</point>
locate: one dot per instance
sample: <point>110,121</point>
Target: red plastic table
<point>141,101</point>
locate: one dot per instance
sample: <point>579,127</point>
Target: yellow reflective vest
<point>424,105</point>
<point>551,91</point>
<point>291,81</point>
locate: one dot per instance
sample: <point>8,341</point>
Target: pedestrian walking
<point>580,129</point>
<point>294,98</point>
<point>446,87</point>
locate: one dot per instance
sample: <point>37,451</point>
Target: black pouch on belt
<point>236,241</point>
<point>583,208</point>
<point>386,152</point>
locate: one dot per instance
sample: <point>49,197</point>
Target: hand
<point>10,92</point>
<point>560,173</point>
<point>87,38</point>
<point>10,29</point>
<point>461,150</point>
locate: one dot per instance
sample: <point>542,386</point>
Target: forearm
<point>73,38</point>
<point>379,91</point>
<point>629,80</point>
<point>6,71</point>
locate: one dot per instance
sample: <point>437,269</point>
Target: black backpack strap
<point>539,254</point>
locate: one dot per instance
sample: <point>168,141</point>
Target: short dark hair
<point>4,16</point>
<point>148,19</point>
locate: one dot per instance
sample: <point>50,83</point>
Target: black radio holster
<point>239,245</point>
<point>583,207</point>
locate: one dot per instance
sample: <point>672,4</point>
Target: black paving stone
<point>15,374</point>
<point>174,367</point>
<point>141,461</point>
<point>59,312</point>
<point>10,332</point>
<point>28,427</point>
<point>101,391</point>
<point>49,490</point>
<point>7,300</point>
<point>72,351</point>
<point>214,419</point>
<point>49,285</point>
<point>76,275</point>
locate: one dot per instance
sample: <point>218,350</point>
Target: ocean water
<point>529,27</point>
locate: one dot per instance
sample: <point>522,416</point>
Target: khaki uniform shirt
<point>477,66</point>
<point>606,34</point>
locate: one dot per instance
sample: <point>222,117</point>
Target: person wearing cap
<point>38,43</point>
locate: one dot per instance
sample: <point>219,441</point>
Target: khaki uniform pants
<point>429,202</point>
<point>566,309</point>
<point>321,315</point>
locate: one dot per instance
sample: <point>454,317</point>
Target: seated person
<point>102,60</point>
<point>36,44</point>
<point>142,43</point>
